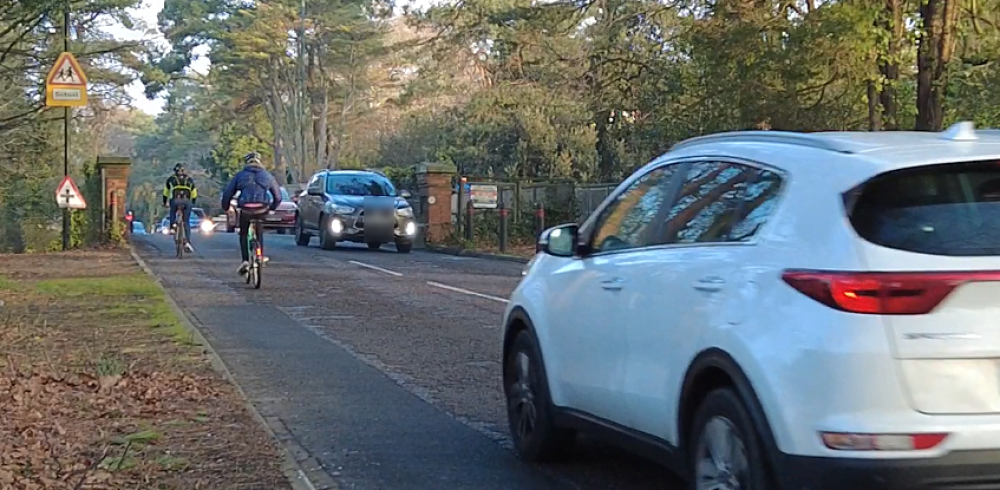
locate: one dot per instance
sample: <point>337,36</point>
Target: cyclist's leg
<point>259,233</point>
<point>243,220</point>
<point>187,220</point>
<point>173,212</point>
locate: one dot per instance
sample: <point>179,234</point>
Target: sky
<point>147,14</point>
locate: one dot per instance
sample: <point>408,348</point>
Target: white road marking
<point>376,268</point>
<point>466,291</point>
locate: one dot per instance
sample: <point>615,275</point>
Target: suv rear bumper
<point>958,470</point>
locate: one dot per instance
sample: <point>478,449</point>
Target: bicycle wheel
<point>256,273</point>
<point>258,257</point>
<point>179,241</point>
<point>250,266</point>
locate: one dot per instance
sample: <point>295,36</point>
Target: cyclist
<point>259,193</point>
<point>182,193</point>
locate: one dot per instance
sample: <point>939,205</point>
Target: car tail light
<point>841,441</point>
<point>883,293</point>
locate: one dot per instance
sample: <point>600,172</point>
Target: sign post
<point>66,86</point>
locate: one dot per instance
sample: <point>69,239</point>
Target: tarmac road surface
<point>383,366</point>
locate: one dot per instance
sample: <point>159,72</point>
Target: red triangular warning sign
<point>68,195</point>
<point>66,72</point>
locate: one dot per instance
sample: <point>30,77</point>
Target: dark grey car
<point>355,206</point>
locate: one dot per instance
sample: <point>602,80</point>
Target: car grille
<point>387,216</point>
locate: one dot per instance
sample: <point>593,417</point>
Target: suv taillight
<point>882,293</point>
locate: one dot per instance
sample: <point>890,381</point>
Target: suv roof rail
<point>375,171</point>
<point>761,136</point>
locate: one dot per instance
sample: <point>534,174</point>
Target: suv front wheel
<point>301,237</point>
<point>724,448</point>
<point>529,406</point>
<point>326,240</point>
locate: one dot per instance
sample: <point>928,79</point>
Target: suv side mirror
<point>405,194</point>
<point>314,192</point>
<point>560,241</point>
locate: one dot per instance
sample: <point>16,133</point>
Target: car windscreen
<point>284,195</point>
<point>198,213</point>
<point>359,185</point>
<point>951,209</point>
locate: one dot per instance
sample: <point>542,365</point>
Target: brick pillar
<point>434,188</point>
<point>114,173</point>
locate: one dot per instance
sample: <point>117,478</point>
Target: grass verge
<point>101,387</point>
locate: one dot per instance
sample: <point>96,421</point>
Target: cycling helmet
<point>252,158</point>
<point>179,168</point>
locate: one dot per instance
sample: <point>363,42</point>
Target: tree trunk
<point>874,118</point>
<point>888,63</point>
<point>934,51</point>
<point>279,163</point>
<point>321,122</point>
<point>345,110</point>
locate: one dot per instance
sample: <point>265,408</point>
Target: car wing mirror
<point>560,241</point>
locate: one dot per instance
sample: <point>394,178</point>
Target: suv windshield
<point>359,185</point>
<point>198,213</point>
<point>951,209</point>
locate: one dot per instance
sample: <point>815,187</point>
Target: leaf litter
<point>99,390</point>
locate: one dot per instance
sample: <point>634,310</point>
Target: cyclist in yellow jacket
<point>181,193</point>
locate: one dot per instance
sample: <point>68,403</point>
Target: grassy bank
<point>101,384</point>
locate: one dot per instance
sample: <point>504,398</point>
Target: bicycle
<point>255,249</point>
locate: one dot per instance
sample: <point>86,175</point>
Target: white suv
<point>763,310</point>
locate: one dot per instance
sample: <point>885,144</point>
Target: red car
<point>281,219</point>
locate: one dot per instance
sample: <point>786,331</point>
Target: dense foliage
<point>512,89</point>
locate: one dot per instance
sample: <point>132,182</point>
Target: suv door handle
<point>613,284</point>
<point>709,283</point>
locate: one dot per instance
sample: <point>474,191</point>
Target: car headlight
<point>207,226</point>
<point>338,209</point>
<point>406,212</point>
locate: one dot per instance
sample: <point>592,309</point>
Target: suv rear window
<point>951,209</point>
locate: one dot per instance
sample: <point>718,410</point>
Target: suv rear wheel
<point>529,406</point>
<point>724,448</point>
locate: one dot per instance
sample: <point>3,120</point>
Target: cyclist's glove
<point>164,200</point>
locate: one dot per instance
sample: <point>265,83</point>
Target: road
<point>384,366</point>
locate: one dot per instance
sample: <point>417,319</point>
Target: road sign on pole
<point>66,84</point>
<point>68,195</point>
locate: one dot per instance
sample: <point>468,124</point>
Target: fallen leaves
<point>90,404</point>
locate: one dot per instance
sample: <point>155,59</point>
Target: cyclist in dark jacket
<point>256,187</point>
